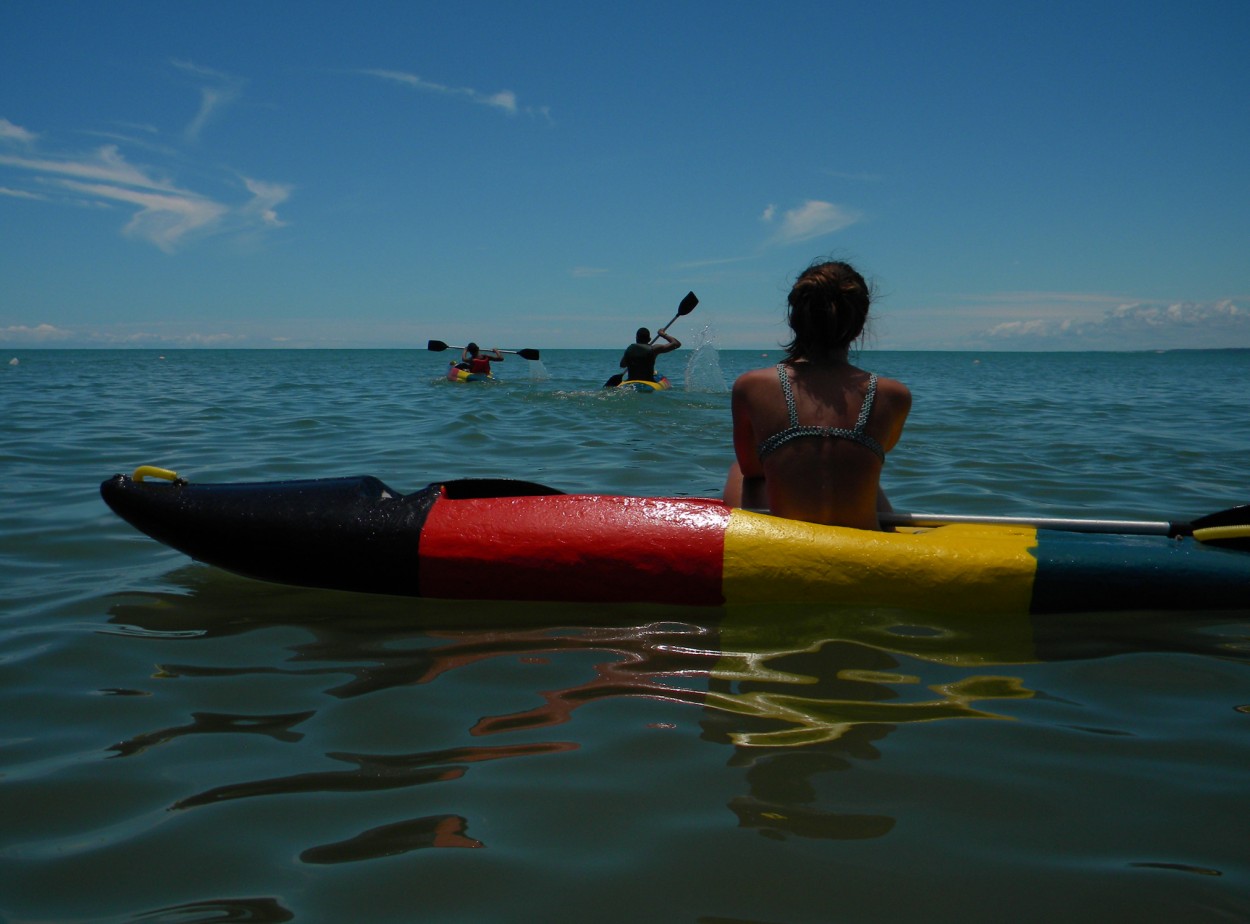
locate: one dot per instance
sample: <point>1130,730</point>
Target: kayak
<point>647,385</point>
<point>643,385</point>
<point>516,540</point>
<point>456,374</point>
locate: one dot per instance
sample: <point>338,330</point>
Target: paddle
<point>437,346</point>
<point>687,305</point>
<point>1228,528</point>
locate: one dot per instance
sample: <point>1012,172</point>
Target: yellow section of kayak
<point>660,385</point>
<point>963,568</point>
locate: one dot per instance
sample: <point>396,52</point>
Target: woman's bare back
<point>818,478</point>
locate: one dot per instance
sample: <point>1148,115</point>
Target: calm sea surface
<point>178,744</point>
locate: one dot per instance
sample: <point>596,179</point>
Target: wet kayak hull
<point>515,540</point>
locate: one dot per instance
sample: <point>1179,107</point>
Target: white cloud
<point>224,89</point>
<point>166,214</point>
<point>1131,325</point>
<point>504,99</point>
<point>142,338</point>
<point>40,333</point>
<point>163,218</point>
<point>49,334</point>
<point>19,193</point>
<point>266,197</point>
<point>106,165</point>
<point>812,219</point>
<point>15,133</point>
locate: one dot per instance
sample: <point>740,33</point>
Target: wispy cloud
<point>15,134</point>
<point>48,334</point>
<point>1130,325</point>
<point>217,91</point>
<point>40,333</point>
<point>266,197</point>
<point>19,193</point>
<point>165,213</point>
<point>162,218</point>
<point>812,219</point>
<point>106,165</point>
<point>504,100</point>
<point>586,272</point>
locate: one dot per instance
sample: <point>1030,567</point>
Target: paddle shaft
<point>437,346</point>
<point>1225,528</point>
<point>1064,524</point>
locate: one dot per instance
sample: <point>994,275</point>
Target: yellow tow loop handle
<point>151,471</point>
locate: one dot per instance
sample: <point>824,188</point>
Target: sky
<point>1009,176</point>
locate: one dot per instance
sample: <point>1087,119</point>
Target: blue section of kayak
<point>1090,571</point>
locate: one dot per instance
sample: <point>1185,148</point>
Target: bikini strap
<point>786,390</point>
<point>866,408</point>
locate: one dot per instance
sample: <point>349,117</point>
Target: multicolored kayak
<point>515,540</point>
<point>456,374</point>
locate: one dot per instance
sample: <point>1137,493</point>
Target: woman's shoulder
<point>889,384</point>
<point>755,376</point>
<point>893,393</point>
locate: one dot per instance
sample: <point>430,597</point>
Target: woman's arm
<point>744,483</point>
<point>746,446</point>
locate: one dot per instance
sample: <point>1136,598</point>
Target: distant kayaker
<point>810,434</point>
<point>476,361</point>
<point>638,360</point>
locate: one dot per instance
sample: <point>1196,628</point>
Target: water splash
<point>703,371</point>
<point>537,371</point>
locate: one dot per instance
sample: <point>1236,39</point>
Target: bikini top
<point>855,434</point>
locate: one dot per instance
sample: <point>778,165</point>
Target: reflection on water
<point>778,819</point>
<point>223,911</point>
<point>277,727</point>
<point>390,840</point>
<point>789,700</point>
<point>372,772</point>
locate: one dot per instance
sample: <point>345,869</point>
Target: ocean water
<point>178,744</point>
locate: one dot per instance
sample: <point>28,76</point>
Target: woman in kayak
<point>810,434</point>
<point>477,362</point>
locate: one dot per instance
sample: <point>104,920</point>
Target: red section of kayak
<point>614,549</point>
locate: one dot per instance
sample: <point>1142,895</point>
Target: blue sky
<point>1018,175</point>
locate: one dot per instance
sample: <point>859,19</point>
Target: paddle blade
<point>436,346</point>
<point>527,354</point>
<point>687,304</point>
<point>1233,516</point>
<point>1228,528</point>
